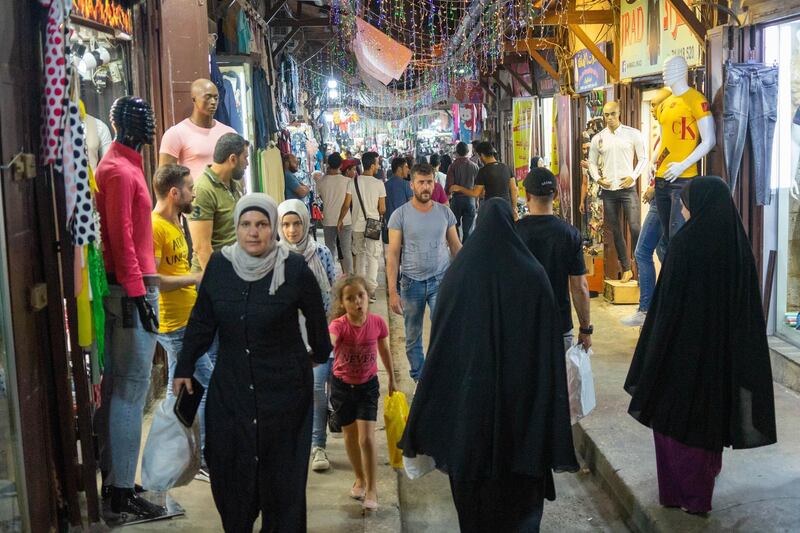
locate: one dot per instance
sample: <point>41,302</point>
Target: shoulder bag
<point>374,226</point>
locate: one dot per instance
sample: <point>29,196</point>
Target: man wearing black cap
<point>558,247</point>
<point>494,179</point>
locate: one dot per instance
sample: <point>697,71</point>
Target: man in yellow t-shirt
<point>173,186</point>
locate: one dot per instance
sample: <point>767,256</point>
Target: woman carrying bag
<point>258,410</point>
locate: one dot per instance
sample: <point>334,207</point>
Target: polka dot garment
<point>55,92</point>
<point>76,180</point>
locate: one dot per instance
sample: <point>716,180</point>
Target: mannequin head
<point>205,98</point>
<point>611,115</point>
<point>676,72</point>
<point>133,121</point>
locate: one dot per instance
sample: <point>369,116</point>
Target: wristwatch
<point>587,331</point>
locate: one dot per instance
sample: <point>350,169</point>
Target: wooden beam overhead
<point>302,23</point>
<point>572,16</point>
<point>523,45</point>
<point>275,10</point>
<point>521,81</point>
<point>611,68</point>
<point>545,65</point>
<point>696,27</point>
<point>285,41</point>
<point>506,88</point>
<point>486,87</point>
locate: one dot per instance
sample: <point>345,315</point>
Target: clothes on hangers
<point>243,33</point>
<point>232,102</point>
<point>223,111</point>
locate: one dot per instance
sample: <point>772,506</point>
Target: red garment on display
<point>123,201</point>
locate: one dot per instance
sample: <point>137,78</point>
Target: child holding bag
<point>357,337</point>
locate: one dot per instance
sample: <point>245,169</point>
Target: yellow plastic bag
<point>395,415</point>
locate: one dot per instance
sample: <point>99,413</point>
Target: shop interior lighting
<point>333,84</point>
<point>333,94</point>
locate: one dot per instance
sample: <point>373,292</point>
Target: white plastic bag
<point>418,466</point>
<point>580,383</point>
<point>171,455</point>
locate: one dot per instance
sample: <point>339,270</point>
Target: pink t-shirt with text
<point>192,145</point>
<point>356,350</point>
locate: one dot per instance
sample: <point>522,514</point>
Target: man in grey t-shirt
<point>426,232</point>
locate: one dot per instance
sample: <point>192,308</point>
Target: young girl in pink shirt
<point>357,337</point>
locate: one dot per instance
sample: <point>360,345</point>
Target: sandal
<point>357,494</point>
<point>369,505</point>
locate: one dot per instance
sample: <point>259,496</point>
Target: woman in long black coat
<point>700,377</point>
<point>258,410</point>
<point>491,407</point>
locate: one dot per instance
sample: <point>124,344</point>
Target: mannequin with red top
<point>124,204</point>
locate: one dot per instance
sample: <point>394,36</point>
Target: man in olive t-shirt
<point>216,192</point>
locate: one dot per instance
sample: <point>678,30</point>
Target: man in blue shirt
<point>294,189</point>
<point>398,190</point>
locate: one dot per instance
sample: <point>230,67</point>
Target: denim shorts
<point>354,402</point>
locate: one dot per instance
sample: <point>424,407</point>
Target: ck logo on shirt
<point>684,129</point>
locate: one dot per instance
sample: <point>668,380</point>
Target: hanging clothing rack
<point>253,14</point>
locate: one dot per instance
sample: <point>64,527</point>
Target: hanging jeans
<point>627,201</point>
<point>751,103</point>
<point>651,239</point>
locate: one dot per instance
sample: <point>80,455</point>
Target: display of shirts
<point>678,116</point>
<point>611,152</point>
<point>332,188</point>
<point>170,246</point>
<point>192,145</point>
<point>123,201</point>
<point>372,190</point>
<point>425,250</point>
<point>356,349</point>
<point>215,201</point>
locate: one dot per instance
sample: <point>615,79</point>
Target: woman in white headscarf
<point>294,231</point>
<point>258,409</point>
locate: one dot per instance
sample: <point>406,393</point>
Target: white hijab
<point>253,268</point>
<point>307,247</point>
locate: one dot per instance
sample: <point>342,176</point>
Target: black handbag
<point>374,226</point>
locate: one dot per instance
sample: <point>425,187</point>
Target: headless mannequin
<point>134,126</point>
<point>676,73</point>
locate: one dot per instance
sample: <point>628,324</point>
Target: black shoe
<point>105,492</point>
<point>126,501</point>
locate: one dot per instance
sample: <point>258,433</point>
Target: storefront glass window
<point>782,46</point>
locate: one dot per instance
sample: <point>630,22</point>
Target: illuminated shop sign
<point>104,12</point>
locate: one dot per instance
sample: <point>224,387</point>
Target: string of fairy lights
<point>451,41</point>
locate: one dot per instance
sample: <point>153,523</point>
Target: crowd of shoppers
<point>245,300</point>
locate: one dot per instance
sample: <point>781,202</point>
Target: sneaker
<point>372,298</point>
<point>319,460</point>
<point>635,320</point>
<point>127,502</point>
<point>203,475</point>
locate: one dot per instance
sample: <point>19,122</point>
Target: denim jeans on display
<point>414,295</point>
<point>464,209</point>
<point>750,104</point>
<point>126,380</point>
<point>322,379</point>
<point>668,204</point>
<point>172,343</point>
<point>650,240</point>
<point>627,201</point>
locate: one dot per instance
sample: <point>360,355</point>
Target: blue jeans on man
<point>650,240</point>
<point>463,208</point>
<point>126,380</point>
<point>172,343</point>
<point>415,295</point>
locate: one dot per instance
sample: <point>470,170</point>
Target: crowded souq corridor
<point>399,266</point>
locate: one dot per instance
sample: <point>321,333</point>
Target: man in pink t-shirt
<point>191,142</point>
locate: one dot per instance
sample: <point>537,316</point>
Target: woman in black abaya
<point>491,407</point>
<point>700,377</point>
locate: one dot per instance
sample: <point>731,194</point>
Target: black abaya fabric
<point>492,399</point>
<point>701,371</point>
<point>258,410</point>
